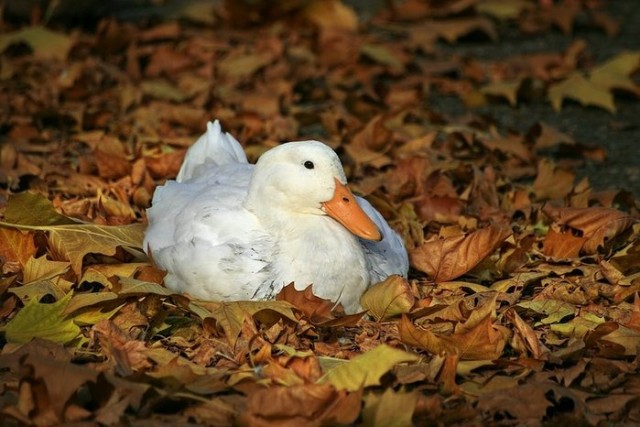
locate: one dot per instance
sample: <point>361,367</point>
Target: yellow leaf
<point>80,301</point>
<point>389,409</point>
<point>614,74</point>
<point>46,44</point>
<point>508,90</point>
<point>501,9</point>
<point>331,14</point>
<point>43,269</point>
<point>389,298</point>
<point>46,321</point>
<point>366,369</point>
<point>584,91</point>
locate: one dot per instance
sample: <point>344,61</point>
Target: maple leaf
<point>38,320</point>
<point>70,238</point>
<point>16,248</point>
<point>596,89</point>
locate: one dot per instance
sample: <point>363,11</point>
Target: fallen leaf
<point>562,245</point>
<point>598,225</point>
<point>331,15</point>
<point>447,258</point>
<point>507,89</point>
<point>392,409</point>
<point>552,182</point>
<point>366,369</point>
<point>304,406</point>
<point>70,238</point>
<point>389,298</point>
<point>553,310</point>
<point>16,248</point>
<point>37,320</point>
<point>45,43</point>
<point>230,316</point>
<point>578,88</point>
<point>483,342</point>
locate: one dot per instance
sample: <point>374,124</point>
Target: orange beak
<point>344,208</point>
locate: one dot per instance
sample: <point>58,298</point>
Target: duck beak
<point>344,208</point>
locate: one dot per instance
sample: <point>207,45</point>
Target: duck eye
<point>309,164</point>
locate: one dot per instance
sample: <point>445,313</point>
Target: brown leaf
<point>304,406</point>
<point>562,245</point>
<point>447,258</point>
<point>536,347</point>
<point>319,311</point>
<point>129,355</point>
<point>483,342</point>
<point>546,136</point>
<point>552,182</point>
<point>598,225</point>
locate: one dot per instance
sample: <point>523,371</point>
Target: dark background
<point>618,133</point>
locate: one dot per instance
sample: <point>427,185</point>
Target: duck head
<point>306,177</point>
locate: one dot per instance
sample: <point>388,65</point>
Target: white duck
<point>229,230</point>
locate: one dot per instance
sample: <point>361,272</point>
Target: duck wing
<point>198,230</point>
<point>388,256</point>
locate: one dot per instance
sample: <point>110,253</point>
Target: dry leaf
<point>445,259</point>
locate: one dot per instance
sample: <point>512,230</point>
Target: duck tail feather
<point>213,148</point>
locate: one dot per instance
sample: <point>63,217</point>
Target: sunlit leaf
<point>365,370</point>
<point>37,320</point>
<point>72,239</point>
<point>389,298</point>
<point>16,248</point>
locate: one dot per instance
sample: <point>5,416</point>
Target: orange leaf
<point>598,225</point>
<point>451,257</point>
<point>16,247</point>
<point>562,245</point>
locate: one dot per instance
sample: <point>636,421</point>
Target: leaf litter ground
<point>522,305</point>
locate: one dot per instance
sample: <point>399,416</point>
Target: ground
<point>497,138</point>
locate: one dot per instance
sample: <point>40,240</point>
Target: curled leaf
<point>447,258</point>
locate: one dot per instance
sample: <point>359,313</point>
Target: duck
<point>228,230</point>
